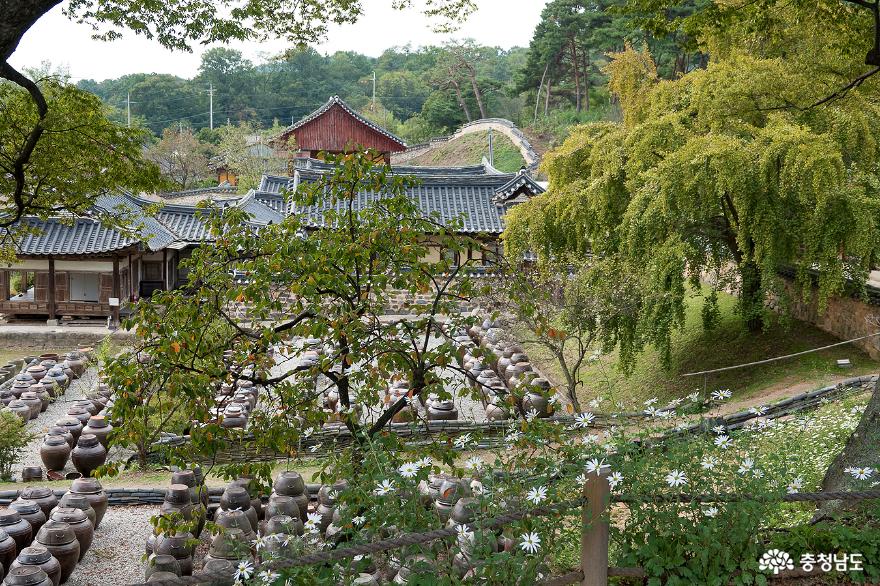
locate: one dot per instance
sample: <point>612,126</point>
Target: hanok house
<point>336,128</point>
<point>78,267</point>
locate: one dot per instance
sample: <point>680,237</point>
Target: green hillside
<point>470,150</point>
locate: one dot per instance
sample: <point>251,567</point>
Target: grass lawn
<point>470,150</point>
<point>694,349</point>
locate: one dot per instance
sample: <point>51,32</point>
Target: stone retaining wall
<point>845,317</point>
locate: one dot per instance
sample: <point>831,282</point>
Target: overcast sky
<point>504,23</point>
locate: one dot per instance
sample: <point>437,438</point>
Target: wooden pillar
<point>114,311</point>
<point>50,293</point>
<point>594,520</point>
<point>165,269</point>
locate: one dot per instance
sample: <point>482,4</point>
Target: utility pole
<point>211,105</point>
<point>373,105</point>
<point>128,103</point>
<point>491,150</point>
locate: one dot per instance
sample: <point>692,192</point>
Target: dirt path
<point>778,392</point>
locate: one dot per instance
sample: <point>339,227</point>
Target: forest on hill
<point>419,92</point>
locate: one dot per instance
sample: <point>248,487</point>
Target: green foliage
<point>182,158</point>
<point>80,155</point>
<point>247,151</point>
<point>13,438</point>
<point>332,285</point>
<point>714,174</point>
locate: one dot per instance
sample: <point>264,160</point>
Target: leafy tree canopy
<point>727,173</point>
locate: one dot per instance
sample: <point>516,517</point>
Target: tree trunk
<point>540,88</point>
<point>461,102</point>
<point>751,299</point>
<point>477,94</point>
<point>577,77</point>
<point>587,80</point>
<point>547,97</point>
<point>862,450</point>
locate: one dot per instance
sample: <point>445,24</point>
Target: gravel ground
<point>56,410</point>
<point>114,559</point>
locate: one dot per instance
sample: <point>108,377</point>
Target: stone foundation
<point>844,317</point>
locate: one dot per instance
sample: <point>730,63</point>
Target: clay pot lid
<point>36,368</point>
<point>55,439</point>
<point>36,492</point>
<point>25,576</point>
<point>227,542</point>
<point>30,395</point>
<point>4,536</point>
<point>74,411</point>
<point>185,477</point>
<point>88,440</point>
<point>9,517</point>
<point>160,576</point>
<point>18,403</point>
<point>177,494</point>
<point>219,565</point>
<point>68,421</point>
<point>34,555</point>
<point>55,371</point>
<point>25,506</point>
<point>76,501</point>
<point>69,515</point>
<point>86,485</point>
<point>97,421</point>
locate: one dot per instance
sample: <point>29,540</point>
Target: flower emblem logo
<point>776,560</point>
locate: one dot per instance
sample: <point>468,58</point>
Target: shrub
<point>13,437</point>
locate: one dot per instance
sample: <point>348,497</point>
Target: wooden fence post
<point>594,530</point>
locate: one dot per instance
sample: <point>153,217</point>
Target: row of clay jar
<point>38,530</point>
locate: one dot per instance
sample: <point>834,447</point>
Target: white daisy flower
<point>589,439</point>
<point>384,487</point>
<point>614,479</point>
<point>650,401</point>
<point>530,542</point>
<point>409,469</point>
<point>462,441</point>
<point>760,410</point>
<point>709,462</point>
<point>746,466</point>
<point>676,478</point>
<point>537,495</point>
<point>695,396</point>
<point>268,577</point>
<point>463,532</point>
<point>359,520</point>
<point>244,570</point>
<point>710,511</point>
<point>315,518</point>
<point>723,441</point>
<point>259,543</point>
<point>531,415</point>
<point>862,473</point>
<point>719,430</point>
<point>583,420</point>
<point>594,465</point>
<point>581,479</point>
<point>473,463</point>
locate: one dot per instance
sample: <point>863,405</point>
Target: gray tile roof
<point>468,198</point>
<point>336,100</point>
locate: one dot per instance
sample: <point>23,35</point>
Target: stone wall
<point>844,317</point>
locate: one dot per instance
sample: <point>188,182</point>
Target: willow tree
<point>728,174</point>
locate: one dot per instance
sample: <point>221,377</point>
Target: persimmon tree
<point>328,272</point>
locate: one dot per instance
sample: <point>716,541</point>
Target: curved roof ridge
<point>336,100</point>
